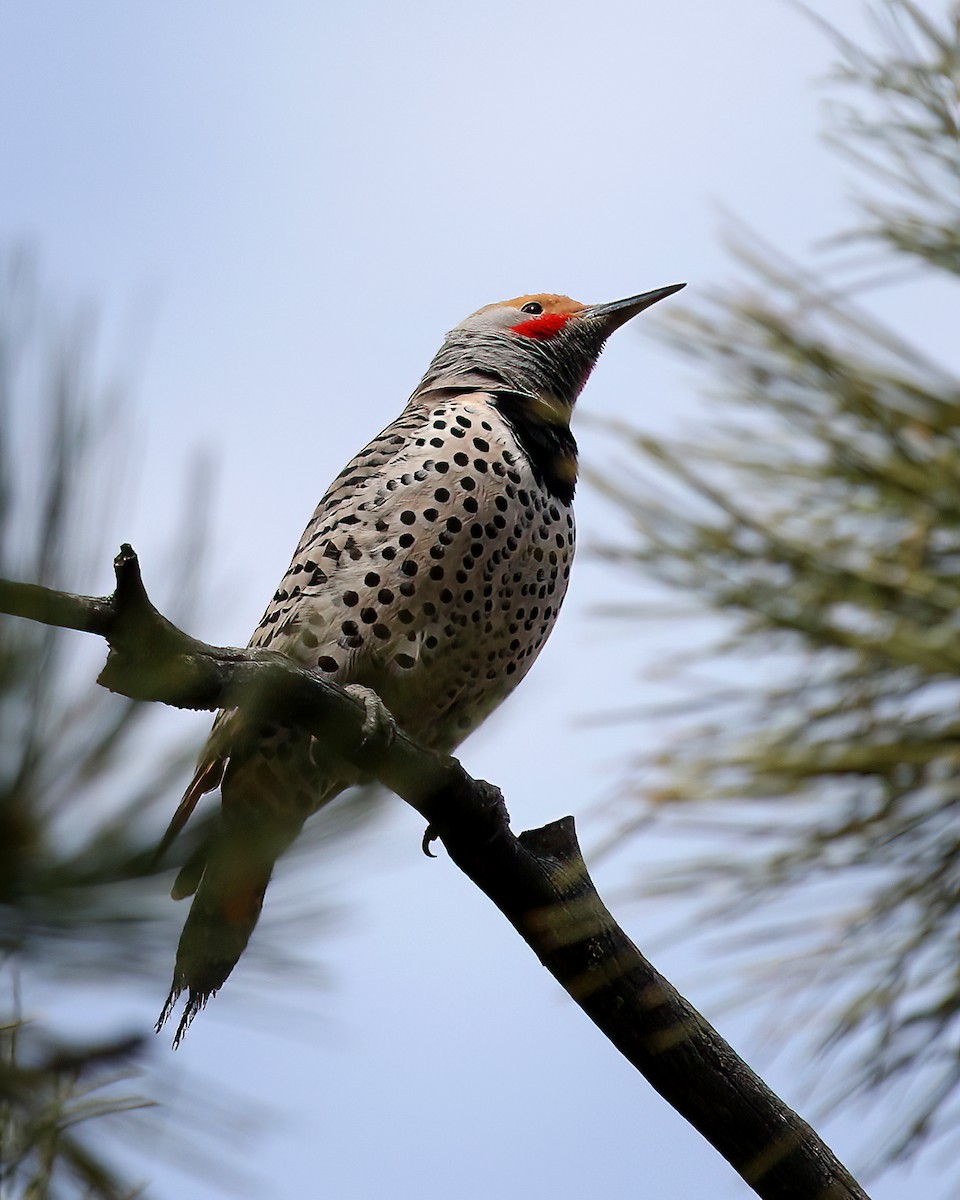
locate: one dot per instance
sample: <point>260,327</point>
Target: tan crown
<point>561,305</point>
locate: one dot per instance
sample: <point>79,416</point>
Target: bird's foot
<point>378,721</point>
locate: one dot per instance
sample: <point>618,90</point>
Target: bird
<point>427,581</point>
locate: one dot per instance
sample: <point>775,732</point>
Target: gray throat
<point>496,361</point>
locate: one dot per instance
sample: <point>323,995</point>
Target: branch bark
<point>538,880</point>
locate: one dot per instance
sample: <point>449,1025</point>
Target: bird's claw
<point>429,835</point>
<point>378,722</point>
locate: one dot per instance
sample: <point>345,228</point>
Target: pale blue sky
<point>279,210</point>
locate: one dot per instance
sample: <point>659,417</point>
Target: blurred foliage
<point>74,897</point>
<point>87,783</point>
<point>816,510</point>
<point>49,1093</point>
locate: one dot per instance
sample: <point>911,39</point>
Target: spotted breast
<point>432,571</point>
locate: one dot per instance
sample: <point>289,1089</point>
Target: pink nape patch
<point>542,327</point>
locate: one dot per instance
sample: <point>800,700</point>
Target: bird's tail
<point>236,866</point>
<point>267,794</point>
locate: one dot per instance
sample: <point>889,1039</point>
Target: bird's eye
<point>533,307</point>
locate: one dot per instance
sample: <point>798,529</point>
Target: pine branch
<point>538,880</point>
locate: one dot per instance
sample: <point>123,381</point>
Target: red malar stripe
<point>542,327</point>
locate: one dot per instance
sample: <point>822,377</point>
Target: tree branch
<point>538,880</point>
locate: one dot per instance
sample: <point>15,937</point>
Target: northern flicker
<point>431,573</point>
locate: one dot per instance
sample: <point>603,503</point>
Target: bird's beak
<point>618,312</point>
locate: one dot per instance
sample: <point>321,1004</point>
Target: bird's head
<point>545,344</point>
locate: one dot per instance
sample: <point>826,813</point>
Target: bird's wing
<point>207,777</point>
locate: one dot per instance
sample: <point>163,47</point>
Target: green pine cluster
<point>814,515</point>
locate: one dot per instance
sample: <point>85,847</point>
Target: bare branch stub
<point>538,880</point>
<point>150,658</point>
